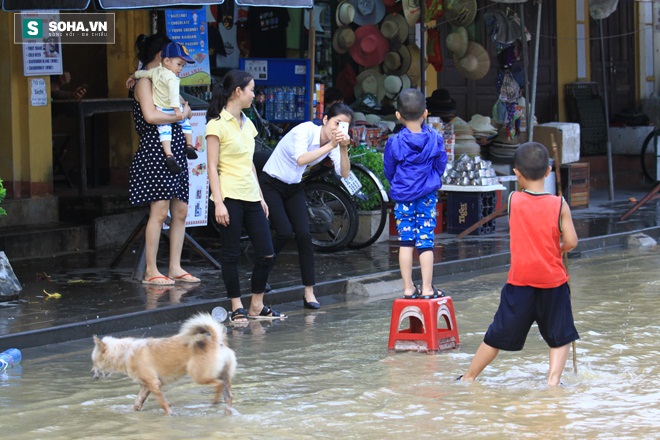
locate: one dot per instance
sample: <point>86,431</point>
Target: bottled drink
<point>279,103</point>
<point>10,358</point>
<point>290,103</point>
<point>270,102</point>
<point>300,103</point>
<point>219,314</point>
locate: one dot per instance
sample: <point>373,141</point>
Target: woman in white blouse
<point>283,189</point>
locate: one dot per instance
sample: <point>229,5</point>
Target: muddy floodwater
<point>328,374</point>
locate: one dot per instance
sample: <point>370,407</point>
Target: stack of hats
<point>482,127</point>
<point>441,104</point>
<point>503,148</point>
<point>466,143</point>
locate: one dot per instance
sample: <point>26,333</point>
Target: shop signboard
<point>188,27</point>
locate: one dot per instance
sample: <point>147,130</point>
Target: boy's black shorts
<point>520,306</point>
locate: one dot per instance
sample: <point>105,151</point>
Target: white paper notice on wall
<point>38,95</point>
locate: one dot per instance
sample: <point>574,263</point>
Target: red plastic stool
<point>432,325</point>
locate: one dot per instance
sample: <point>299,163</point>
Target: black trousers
<point>288,217</point>
<point>251,217</point>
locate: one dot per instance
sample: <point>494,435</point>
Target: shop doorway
<point>478,97</point>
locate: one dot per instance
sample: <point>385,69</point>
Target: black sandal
<point>191,153</point>
<point>239,315</point>
<point>172,165</point>
<point>436,294</point>
<point>267,313</point>
<point>415,295</point>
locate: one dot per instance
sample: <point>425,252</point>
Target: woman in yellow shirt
<point>235,191</point>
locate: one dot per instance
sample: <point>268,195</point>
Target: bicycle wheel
<point>371,202</point>
<point>333,218</point>
<point>649,156</point>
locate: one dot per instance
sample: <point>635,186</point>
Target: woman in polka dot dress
<point>150,180</point>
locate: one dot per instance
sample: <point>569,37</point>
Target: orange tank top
<point>535,231</point>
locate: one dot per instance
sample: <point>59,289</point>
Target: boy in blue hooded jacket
<point>414,162</point>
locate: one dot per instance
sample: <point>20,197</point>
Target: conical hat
<point>411,11</point>
<point>457,42</point>
<point>475,63</point>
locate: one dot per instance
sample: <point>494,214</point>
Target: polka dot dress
<point>150,180</point>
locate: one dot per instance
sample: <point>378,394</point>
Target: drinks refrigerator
<point>281,87</point>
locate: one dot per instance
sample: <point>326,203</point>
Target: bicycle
<point>649,155</point>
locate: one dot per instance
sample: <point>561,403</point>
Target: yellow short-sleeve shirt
<point>237,181</point>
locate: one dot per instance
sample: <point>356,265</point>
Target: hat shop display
<point>370,46</point>
<point>457,42</point>
<point>395,84</point>
<point>482,127</point>
<point>475,63</point>
<point>343,39</point>
<point>465,142</point>
<point>411,11</point>
<point>441,104</point>
<point>370,81</point>
<point>345,14</point>
<point>395,28</point>
<point>397,62</point>
<point>368,11</point>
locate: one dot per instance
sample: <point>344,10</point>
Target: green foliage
<point>372,159</point>
<point>3,193</point>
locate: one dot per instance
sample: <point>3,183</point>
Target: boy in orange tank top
<point>541,229</point>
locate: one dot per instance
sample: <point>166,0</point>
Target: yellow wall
<point>122,62</point>
<point>567,67</point>
<point>26,165</point>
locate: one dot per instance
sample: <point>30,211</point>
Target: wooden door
<point>619,46</point>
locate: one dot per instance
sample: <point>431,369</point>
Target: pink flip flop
<point>151,281</point>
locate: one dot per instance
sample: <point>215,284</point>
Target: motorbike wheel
<point>333,216</point>
<point>371,202</point>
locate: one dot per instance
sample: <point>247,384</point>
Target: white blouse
<point>304,137</point>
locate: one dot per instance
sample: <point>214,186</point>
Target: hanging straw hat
<point>370,46</point>
<point>475,63</point>
<point>395,84</point>
<point>368,11</point>
<point>343,39</point>
<point>370,81</point>
<point>397,62</point>
<point>411,11</point>
<point>415,71</point>
<point>395,28</point>
<point>457,42</point>
<point>345,14</point>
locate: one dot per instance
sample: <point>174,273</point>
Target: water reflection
<point>328,374</point>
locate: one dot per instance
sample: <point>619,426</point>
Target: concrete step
<point>45,240</point>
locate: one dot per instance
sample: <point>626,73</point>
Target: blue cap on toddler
<point>173,49</point>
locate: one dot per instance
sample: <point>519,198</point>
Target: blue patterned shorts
<point>415,221</point>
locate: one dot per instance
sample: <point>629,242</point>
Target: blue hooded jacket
<point>414,163</point>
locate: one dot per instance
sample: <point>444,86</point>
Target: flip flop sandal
<point>267,313</point>
<point>436,294</point>
<point>152,281</point>
<point>415,295</point>
<point>239,316</point>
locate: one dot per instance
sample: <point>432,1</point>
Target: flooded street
<point>328,374</point>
